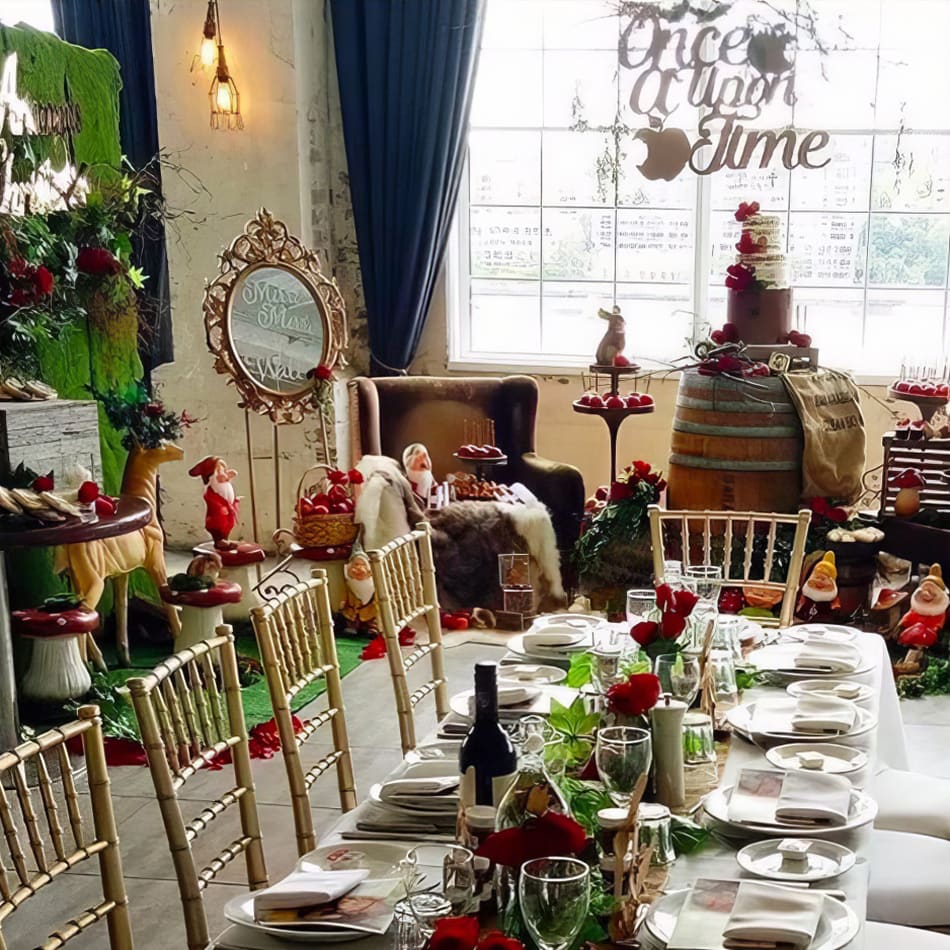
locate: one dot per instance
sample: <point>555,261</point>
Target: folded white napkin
<point>828,656</point>
<point>814,797</point>
<point>815,713</point>
<point>552,639</point>
<point>302,889</point>
<point>755,796</point>
<point>522,673</point>
<point>430,785</point>
<point>765,915</point>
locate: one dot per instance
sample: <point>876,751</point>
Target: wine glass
<point>623,754</point>
<point>554,894</point>
<point>451,893</point>
<point>678,676</point>
<point>707,578</point>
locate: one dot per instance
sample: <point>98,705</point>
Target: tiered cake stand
<point>613,417</point>
<point>482,466</point>
<point>928,405</point>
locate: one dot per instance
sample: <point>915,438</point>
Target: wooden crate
<point>50,435</point>
<point>930,456</point>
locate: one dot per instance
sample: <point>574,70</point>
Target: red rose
<point>88,493</point>
<point>454,933</point>
<point>153,410</point>
<point>620,491</point>
<point>542,837</point>
<point>43,482</point>
<point>17,267</point>
<point>819,506</point>
<point>641,469</point>
<point>375,649</point>
<point>322,373</point>
<point>747,244</point>
<point>19,298</point>
<point>97,261</point>
<point>407,637</point>
<point>746,210</point>
<point>496,940</point>
<point>672,624</point>
<point>355,476</point>
<point>43,281</point>
<point>638,695</point>
<point>837,515</point>
<point>740,277</point>
<point>645,632</point>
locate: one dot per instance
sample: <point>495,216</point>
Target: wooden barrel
<point>735,446</point>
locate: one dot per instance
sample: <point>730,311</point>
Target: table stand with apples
<point>928,395</point>
<point>611,406</point>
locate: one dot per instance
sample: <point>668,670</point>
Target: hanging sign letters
<point>726,78</point>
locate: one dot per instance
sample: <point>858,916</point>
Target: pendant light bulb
<point>223,98</point>
<point>208,48</point>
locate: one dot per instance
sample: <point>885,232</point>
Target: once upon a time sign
<point>728,78</point>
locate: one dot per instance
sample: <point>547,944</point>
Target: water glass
<point>678,675</point>
<point>554,894</point>
<point>641,605</point>
<point>455,886</point>
<point>606,667</point>
<point>707,578</point>
<point>724,676</point>
<point>702,614</point>
<point>727,635</point>
<point>672,572</point>
<point>622,755</point>
<point>700,767</point>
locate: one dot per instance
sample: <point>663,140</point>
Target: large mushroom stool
<point>201,610</point>
<point>235,566</point>
<point>57,671</point>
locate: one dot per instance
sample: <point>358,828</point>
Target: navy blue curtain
<point>406,70</point>
<point>123,27</point>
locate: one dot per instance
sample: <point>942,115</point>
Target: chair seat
<point>891,937</point>
<point>908,881</point>
<point>911,802</point>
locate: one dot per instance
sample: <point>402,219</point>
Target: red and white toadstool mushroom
<point>908,481</point>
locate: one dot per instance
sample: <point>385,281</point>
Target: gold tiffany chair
<point>61,850</point>
<point>295,635</point>
<point>187,720</point>
<point>747,545</point>
<point>404,577</point>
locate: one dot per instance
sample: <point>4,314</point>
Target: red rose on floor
<point>454,933</point>
<point>645,632</point>
<point>88,493</point>
<point>43,482</point>
<point>43,281</point>
<point>542,837</point>
<point>375,649</point>
<point>496,940</point>
<point>97,261</point>
<point>639,694</point>
<point>407,637</point>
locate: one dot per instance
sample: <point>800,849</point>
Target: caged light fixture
<point>223,94</point>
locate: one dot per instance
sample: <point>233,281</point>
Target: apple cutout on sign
<point>668,152</point>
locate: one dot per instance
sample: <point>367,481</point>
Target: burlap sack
<point>829,407</point>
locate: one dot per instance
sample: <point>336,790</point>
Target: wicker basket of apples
<point>325,504</point>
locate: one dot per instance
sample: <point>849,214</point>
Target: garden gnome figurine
<point>614,340</point>
<point>819,597</point>
<point>929,603</point>
<point>359,606</point>
<point>222,506</point>
<point>418,465</point>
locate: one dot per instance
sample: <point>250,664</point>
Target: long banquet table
<point>885,745</point>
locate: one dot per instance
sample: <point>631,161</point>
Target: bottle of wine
<point>487,760</point>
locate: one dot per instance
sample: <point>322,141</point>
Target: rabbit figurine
<point>614,339</point>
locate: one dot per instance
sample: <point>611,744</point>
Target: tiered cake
<point>760,299</point>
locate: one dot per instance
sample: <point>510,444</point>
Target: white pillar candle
<point>667,720</point>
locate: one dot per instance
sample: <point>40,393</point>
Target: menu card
<point>704,916</point>
<point>755,796</point>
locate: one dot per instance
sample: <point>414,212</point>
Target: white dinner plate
<point>740,718</point>
<point>445,805</point>
<point>584,642</point>
<point>827,688</point>
<point>834,632</point>
<point>461,703</point>
<point>240,910</point>
<point>538,705</point>
<point>532,674</point>
<point>839,924</point>
<point>583,622</point>
<point>862,812</point>
<point>824,859</point>
<point>779,658</point>
<point>380,858</point>
<point>839,759</point>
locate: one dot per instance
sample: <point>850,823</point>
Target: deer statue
<point>90,563</point>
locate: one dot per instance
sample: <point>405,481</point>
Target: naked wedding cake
<point>760,299</point>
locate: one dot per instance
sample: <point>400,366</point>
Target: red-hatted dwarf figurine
<point>818,601</point>
<point>928,607</point>
<point>223,507</point>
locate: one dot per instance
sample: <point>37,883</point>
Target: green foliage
<point>747,677</point>
<point>146,423</point>
<point>185,583</point>
<point>118,717</point>
<point>576,727</point>
<point>934,681</point>
<point>688,837</point>
<point>579,673</point>
<point>585,799</point>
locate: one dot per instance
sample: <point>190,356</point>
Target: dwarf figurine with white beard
<point>359,606</point>
<point>418,465</point>
<point>222,505</point>
<point>929,603</point>
<point>818,601</point>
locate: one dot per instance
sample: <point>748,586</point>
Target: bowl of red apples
<point>599,403</point>
<point>480,453</point>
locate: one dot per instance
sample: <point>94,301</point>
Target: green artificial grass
<point>254,696</point>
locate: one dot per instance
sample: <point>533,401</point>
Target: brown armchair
<point>389,413</point>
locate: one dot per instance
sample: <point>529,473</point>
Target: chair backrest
<point>295,635</point>
<point>190,715</point>
<point>754,549</point>
<point>404,578</point>
<point>53,849</point>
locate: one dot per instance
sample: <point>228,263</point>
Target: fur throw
<point>467,537</point>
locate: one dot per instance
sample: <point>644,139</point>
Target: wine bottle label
<point>475,792</point>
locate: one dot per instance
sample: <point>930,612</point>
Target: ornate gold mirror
<point>272,316</point>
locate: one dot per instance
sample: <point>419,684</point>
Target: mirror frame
<point>266,242</point>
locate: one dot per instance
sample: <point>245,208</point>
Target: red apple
<point>336,493</point>
<point>615,402</point>
<point>621,360</point>
<point>902,386</point>
<point>321,509</point>
<point>602,492</point>
<point>584,400</point>
<point>646,399</point>
<point>943,390</point>
<point>634,401</point>
<point>596,401</point>
<point>304,507</point>
<point>916,389</point>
